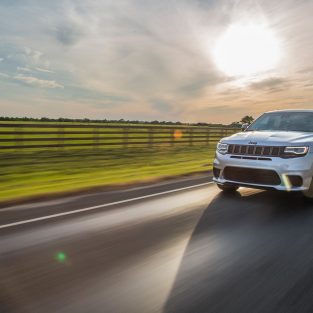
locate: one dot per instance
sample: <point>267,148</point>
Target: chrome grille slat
<point>255,150</point>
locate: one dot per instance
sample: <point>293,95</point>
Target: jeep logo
<point>253,143</point>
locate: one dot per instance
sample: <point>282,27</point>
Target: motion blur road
<point>192,250</point>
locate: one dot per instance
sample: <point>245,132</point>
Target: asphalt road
<point>191,250</point>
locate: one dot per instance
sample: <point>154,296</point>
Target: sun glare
<point>246,49</point>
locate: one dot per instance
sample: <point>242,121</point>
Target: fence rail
<point>62,135</point>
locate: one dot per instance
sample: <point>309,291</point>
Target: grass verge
<point>31,174</point>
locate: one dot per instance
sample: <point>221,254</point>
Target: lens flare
<point>178,134</point>
<point>61,257</point>
<point>286,182</point>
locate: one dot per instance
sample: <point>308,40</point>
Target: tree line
<point>121,121</point>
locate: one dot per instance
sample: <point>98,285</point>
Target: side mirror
<point>244,126</point>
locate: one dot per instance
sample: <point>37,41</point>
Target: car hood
<point>276,138</point>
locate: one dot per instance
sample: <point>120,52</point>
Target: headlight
<point>296,151</point>
<point>222,148</point>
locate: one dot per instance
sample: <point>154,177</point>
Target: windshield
<point>284,121</point>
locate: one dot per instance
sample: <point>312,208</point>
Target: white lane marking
<point>47,217</point>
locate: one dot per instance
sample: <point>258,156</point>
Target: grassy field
<point>29,173</point>
<point>52,158</point>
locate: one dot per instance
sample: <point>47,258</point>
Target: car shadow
<point>247,253</point>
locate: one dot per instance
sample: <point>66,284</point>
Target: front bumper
<point>301,167</point>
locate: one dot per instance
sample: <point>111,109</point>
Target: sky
<point>148,60</point>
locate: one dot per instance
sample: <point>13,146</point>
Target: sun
<point>246,49</point>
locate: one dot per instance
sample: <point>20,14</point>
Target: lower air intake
<point>252,176</point>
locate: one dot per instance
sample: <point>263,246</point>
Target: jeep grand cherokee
<point>276,152</point>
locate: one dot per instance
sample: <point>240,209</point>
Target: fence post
<point>95,138</point>
<point>172,134</point>
<point>191,136</point>
<point>221,133</point>
<point>208,137</point>
<point>150,137</point>
<point>21,136</point>
<point>61,137</point>
<point>125,137</point>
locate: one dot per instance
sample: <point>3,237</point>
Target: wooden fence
<point>66,135</point>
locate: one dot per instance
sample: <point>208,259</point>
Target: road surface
<point>175,247</point>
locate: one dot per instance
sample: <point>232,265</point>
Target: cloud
<point>44,70</point>
<point>34,55</point>
<point>270,84</point>
<point>68,34</point>
<point>23,69</point>
<point>36,69</point>
<point>156,54</point>
<point>34,81</point>
<point>161,105</point>
<point>4,75</point>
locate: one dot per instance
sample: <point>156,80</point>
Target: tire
<point>228,188</point>
<point>308,194</point>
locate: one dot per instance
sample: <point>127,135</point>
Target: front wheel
<point>228,188</point>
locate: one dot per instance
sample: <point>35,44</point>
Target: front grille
<point>268,151</point>
<point>251,175</point>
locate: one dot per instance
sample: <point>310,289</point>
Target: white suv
<point>274,152</point>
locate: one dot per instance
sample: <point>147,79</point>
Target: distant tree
<point>235,124</point>
<point>121,121</point>
<point>248,119</point>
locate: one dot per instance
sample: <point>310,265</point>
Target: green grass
<point>27,174</point>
